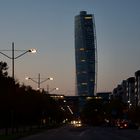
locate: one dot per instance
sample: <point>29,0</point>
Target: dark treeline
<point>21,105</point>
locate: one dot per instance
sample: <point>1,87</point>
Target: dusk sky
<point>48,26</point>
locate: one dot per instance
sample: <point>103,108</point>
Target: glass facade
<point>85,54</point>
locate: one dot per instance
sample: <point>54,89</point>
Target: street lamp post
<point>13,55</point>
<point>38,81</point>
<point>51,90</point>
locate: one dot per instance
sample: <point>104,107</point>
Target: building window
<point>83,60</point>
<point>84,72</point>
<point>82,49</point>
<point>84,84</point>
<point>88,17</point>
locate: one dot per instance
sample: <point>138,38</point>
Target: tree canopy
<point>22,105</point>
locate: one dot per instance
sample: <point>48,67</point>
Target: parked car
<point>123,124</point>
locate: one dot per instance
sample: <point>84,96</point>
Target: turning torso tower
<point>85,54</point>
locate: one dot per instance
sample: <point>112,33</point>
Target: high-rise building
<point>137,87</point>
<point>85,54</point>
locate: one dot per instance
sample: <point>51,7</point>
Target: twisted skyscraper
<point>85,54</point>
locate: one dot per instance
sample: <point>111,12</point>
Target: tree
<point>3,69</point>
<point>21,105</point>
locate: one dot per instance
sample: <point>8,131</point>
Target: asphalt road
<point>86,133</point>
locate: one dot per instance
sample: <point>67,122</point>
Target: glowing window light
<point>88,17</point>
<point>83,60</point>
<point>82,49</point>
<point>89,98</point>
<point>84,84</point>
<point>84,72</point>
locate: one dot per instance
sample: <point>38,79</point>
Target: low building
<point>106,96</point>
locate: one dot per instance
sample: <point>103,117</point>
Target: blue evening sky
<point>48,26</point>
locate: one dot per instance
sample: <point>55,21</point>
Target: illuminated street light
<point>53,89</point>
<point>129,103</point>
<point>13,57</point>
<point>38,82</point>
<point>27,78</point>
<point>70,109</point>
<point>32,50</point>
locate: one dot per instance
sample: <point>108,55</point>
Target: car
<point>126,124</point>
<point>76,123</point>
<point>122,123</point>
